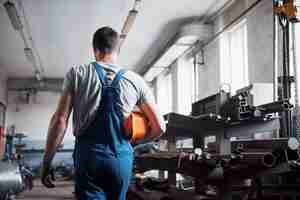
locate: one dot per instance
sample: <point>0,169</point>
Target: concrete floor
<point>62,191</point>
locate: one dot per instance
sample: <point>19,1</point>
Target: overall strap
<point>117,78</point>
<point>101,75</point>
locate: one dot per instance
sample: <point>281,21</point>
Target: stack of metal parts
<point>255,156</point>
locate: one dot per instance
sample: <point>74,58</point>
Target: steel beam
<point>30,84</point>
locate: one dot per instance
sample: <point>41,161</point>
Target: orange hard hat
<point>136,126</point>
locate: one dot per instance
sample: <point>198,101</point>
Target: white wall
<point>33,118</point>
<point>3,88</point>
<point>260,46</point>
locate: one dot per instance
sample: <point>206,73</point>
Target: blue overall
<point>103,156</point>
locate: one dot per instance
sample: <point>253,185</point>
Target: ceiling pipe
<point>129,21</point>
<point>212,14</point>
<point>17,24</point>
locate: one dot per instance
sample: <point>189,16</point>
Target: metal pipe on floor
<point>10,178</point>
<point>258,159</point>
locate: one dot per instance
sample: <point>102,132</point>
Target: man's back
<point>83,82</point>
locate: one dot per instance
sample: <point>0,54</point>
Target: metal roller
<point>259,159</point>
<point>10,178</point>
<point>267,145</point>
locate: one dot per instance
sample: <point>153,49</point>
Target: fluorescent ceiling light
<point>13,15</point>
<point>171,55</point>
<point>153,72</point>
<point>129,22</point>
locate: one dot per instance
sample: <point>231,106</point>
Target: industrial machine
<point>11,180</point>
<point>256,152</point>
<point>15,176</point>
<point>224,169</point>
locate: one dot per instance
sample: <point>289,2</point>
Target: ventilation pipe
<point>186,36</point>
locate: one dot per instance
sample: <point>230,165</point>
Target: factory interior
<point>225,75</point>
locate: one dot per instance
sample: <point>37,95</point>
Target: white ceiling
<point>62,31</point>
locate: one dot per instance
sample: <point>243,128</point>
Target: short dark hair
<point>106,40</point>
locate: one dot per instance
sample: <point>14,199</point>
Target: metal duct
<point>189,33</point>
<point>10,178</point>
<point>187,36</point>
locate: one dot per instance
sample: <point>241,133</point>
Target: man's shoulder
<point>131,74</point>
<point>133,77</point>
<point>80,70</point>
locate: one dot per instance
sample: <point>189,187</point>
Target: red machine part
<point>2,142</point>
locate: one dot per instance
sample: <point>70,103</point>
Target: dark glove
<point>46,176</point>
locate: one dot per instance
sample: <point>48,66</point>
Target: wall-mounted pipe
<point>213,13</point>
<point>275,55</point>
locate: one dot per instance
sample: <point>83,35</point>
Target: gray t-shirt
<point>83,82</point>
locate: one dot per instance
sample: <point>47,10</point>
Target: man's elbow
<point>158,131</point>
<point>59,120</point>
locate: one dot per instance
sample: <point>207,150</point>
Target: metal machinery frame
<point>286,12</point>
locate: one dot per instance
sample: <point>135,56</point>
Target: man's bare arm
<point>58,126</point>
<point>156,121</point>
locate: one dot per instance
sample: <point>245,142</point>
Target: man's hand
<point>46,176</point>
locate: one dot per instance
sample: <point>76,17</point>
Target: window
<point>2,115</point>
<point>297,38</point>
<point>185,74</point>
<point>234,57</point>
<point>164,93</point>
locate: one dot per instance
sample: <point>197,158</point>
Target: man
<point>101,96</point>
